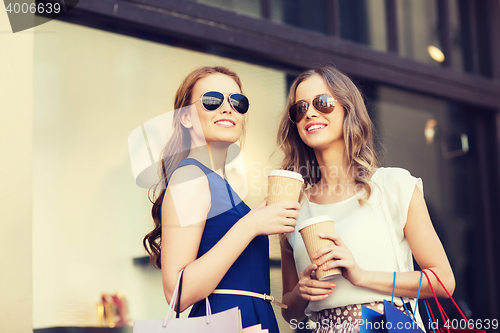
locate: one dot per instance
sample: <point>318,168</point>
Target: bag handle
<point>418,295</point>
<point>176,300</point>
<point>447,293</point>
<point>416,300</point>
<point>393,288</point>
<point>440,308</point>
<point>430,314</point>
<point>178,308</point>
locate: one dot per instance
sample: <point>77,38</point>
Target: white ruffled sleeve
<point>399,185</point>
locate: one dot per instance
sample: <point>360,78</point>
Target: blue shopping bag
<point>371,320</point>
<point>392,320</point>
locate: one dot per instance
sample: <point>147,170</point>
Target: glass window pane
<point>438,141</point>
<point>470,35</point>
<point>244,7</point>
<point>418,31</point>
<point>305,14</point>
<point>126,81</point>
<point>364,21</point>
<point>458,41</point>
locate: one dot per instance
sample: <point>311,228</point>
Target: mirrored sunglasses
<point>323,103</point>
<point>213,100</point>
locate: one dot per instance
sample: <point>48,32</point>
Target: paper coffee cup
<point>310,230</point>
<point>284,185</point>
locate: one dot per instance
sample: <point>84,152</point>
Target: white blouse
<point>365,232</point>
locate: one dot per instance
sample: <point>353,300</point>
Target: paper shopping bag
<point>392,320</point>
<point>228,321</point>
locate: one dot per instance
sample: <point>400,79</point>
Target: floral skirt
<point>344,319</point>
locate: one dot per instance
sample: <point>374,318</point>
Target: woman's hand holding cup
<point>277,218</point>
<point>312,289</point>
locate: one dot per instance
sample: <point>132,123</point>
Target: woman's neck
<point>337,178</point>
<point>213,155</point>
<point>333,166</point>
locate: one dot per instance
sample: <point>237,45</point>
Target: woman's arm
<point>297,293</point>
<point>181,238</point>
<point>427,250</point>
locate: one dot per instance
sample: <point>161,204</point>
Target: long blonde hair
<point>176,150</point>
<point>357,130</point>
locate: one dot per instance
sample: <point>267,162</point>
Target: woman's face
<point>319,130</point>
<point>221,125</point>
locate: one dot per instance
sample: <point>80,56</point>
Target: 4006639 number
<point>33,8</point>
<point>478,324</point>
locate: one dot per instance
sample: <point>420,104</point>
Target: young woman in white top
<point>380,215</point>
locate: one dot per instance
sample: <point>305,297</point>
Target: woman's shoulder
<point>180,209</point>
<point>187,180</point>
<point>187,173</point>
<point>390,175</point>
<point>396,181</point>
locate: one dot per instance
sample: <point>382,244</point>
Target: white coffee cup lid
<point>314,220</point>
<point>286,173</point>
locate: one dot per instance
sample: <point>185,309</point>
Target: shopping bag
<point>370,320</point>
<point>448,326</point>
<point>255,329</point>
<point>392,320</point>
<point>228,321</point>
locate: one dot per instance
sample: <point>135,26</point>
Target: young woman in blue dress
<point>380,215</point>
<point>201,224</point>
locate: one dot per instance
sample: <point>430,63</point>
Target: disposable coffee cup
<point>284,185</point>
<point>310,230</point>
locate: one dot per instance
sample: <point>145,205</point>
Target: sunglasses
<point>322,103</point>
<point>213,100</point>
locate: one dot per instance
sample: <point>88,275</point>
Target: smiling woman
<point>226,244</point>
<point>332,137</point>
<point>344,123</point>
<point>326,125</point>
<point>220,121</point>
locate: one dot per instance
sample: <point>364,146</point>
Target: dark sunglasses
<point>213,100</point>
<point>322,103</point>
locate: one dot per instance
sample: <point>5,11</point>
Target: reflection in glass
<point>435,53</point>
<point>438,140</point>
<point>418,28</point>
<point>470,33</point>
<point>244,7</point>
<point>89,216</point>
<point>364,22</point>
<point>310,15</point>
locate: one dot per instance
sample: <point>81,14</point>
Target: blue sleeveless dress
<point>250,272</point>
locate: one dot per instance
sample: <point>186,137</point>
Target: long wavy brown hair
<point>357,132</point>
<point>176,150</point>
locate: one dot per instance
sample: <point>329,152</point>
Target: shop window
<point>418,31</point>
<point>244,7</point>
<point>306,14</point>
<point>364,21</point>
<point>470,34</point>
